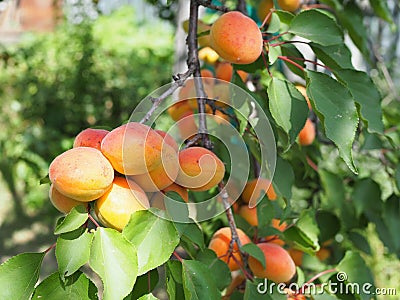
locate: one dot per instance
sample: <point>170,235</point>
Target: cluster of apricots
<point>128,169</point>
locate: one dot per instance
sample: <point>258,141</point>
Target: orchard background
<point>91,64</point>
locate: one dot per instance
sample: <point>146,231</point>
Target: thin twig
<point>285,58</point>
<point>93,220</point>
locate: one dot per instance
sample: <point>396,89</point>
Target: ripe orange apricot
<point>257,188</point>
<point>249,214</point>
<point>168,139</point>
<point>178,109</point>
<point>274,238</point>
<point>323,253</point>
<point>296,255</point>
<point>279,265</point>
<point>133,148</point>
<point>208,55</point>
<point>303,91</point>
<point>220,245</point>
<point>307,134</point>
<point>224,71</point>
<point>200,169</point>
<point>161,176</point>
<point>157,200</point>
<point>208,76</point>
<point>188,91</point>
<point>81,173</point>
<point>236,38</point>
<point>263,9</point>
<point>187,125</point>
<point>90,138</point>
<point>115,207</point>
<point>62,203</point>
<point>289,5</point>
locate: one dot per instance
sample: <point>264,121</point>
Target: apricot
<point>249,214</point>
<point>133,148</point>
<point>208,55</point>
<point>236,38</point>
<point>62,203</point>
<point>307,134</point>
<point>204,40</point>
<point>81,173</point>
<point>161,176</point>
<point>188,91</point>
<point>274,238</point>
<point>90,138</point>
<point>296,255</point>
<point>256,188</point>
<point>220,245</point>
<point>168,139</point>
<point>323,253</point>
<point>220,118</point>
<point>279,267</point>
<point>187,126</point>
<point>200,169</point>
<point>208,76</point>
<point>263,9</point>
<point>178,109</point>
<point>289,5</point>
<point>224,71</point>
<point>157,200</point>
<point>303,91</point>
<point>115,207</point>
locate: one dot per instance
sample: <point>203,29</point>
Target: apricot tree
<point>275,173</point>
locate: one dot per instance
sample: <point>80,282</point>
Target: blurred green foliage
<point>55,85</point>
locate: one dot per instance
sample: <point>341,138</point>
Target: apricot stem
<point>49,249</point>
<point>93,220</point>
<point>177,256</point>
<point>276,37</point>
<point>285,58</point>
<point>310,61</point>
<point>312,164</point>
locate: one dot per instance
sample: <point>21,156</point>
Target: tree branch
<point>208,4</point>
<point>241,6</point>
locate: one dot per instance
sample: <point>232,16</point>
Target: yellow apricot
<point>303,91</point>
<point>168,139</point>
<point>81,173</point>
<point>62,203</point>
<point>200,169</point>
<point>307,134</point>
<point>220,245</point>
<point>115,207</point>
<point>257,188</point>
<point>289,5</point>
<point>263,10</point>
<point>208,55</point>
<point>161,176</point>
<point>236,38</point>
<point>90,138</point>
<point>178,109</point>
<point>279,265</point>
<point>133,148</point>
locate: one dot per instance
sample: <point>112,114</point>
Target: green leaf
<point>360,242</point>
<point>391,213</point>
<point>381,9</point>
<point>287,106</point>
<point>76,286</point>
<point>217,268</point>
<point>284,16</point>
<point>265,214</point>
<point>335,56</point>
<point>356,271</point>
<point>397,176</point>
<point>283,179</point>
<point>174,281</point>
<point>144,284</point>
<point>75,219</point>
<point>253,67</point>
<point>193,233</point>
<point>366,196</point>
<point>274,23</point>
<point>291,50</point>
<point>197,284</point>
<point>305,232</point>
<point>366,95</point>
<point>114,259</point>
<point>73,251</point>
<point>328,224</point>
<point>336,109</point>
<point>19,274</point>
<point>351,18</point>
<point>316,26</point>
<point>154,237</point>
<point>273,53</point>
<point>255,251</point>
<point>45,180</point>
<point>147,297</point>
